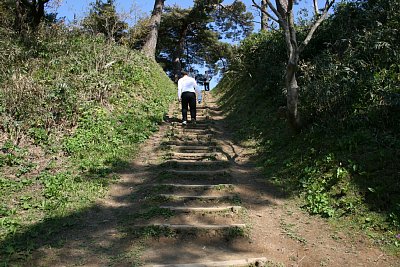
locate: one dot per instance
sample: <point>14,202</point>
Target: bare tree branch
<point>328,5</point>
<point>263,11</point>
<point>316,8</point>
<point>290,6</point>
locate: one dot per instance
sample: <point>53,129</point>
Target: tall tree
<point>195,32</point>
<point>103,18</point>
<point>264,15</point>
<point>283,11</point>
<point>149,48</point>
<point>33,10</point>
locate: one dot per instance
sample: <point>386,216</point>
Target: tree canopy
<point>194,35</point>
<point>103,18</point>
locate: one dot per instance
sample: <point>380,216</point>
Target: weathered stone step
<point>192,126</point>
<point>192,130</point>
<point>198,173</point>
<point>215,111</point>
<point>198,226</point>
<point>195,148</point>
<point>198,197</point>
<point>188,143</point>
<point>206,107</point>
<point>203,118</point>
<point>200,186</point>
<point>200,119</point>
<point>192,137</point>
<point>203,209</point>
<point>228,263</point>
<point>196,156</point>
<point>226,179</point>
<point>204,164</point>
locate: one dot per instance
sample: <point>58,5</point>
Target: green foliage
<point>152,212</point>
<point>154,231</point>
<point>7,13</point>
<point>103,18</point>
<point>194,34</point>
<point>73,110</point>
<point>345,161</point>
<point>137,34</point>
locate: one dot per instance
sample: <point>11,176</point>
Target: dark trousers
<point>188,98</point>
<point>206,86</point>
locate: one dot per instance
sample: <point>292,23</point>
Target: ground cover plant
<point>344,163</point>
<point>73,110</point>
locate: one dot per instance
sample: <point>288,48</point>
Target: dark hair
<point>183,73</point>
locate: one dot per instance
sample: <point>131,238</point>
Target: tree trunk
<point>264,16</point>
<point>38,14</point>
<point>282,5</point>
<point>36,10</point>
<point>292,97</point>
<point>316,9</point>
<point>179,51</point>
<point>19,16</point>
<point>284,13</point>
<point>149,48</point>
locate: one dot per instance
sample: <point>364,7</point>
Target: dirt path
<point>163,211</point>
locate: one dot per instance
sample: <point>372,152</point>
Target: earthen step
<point>195,148</point>
<point>199,123</point>
<point>196,164</point>
<point>202,118</point>
<point>192,137</point>
<point>196,156</point>
<point>228,263</point>
<point>200,186</point>
<point>192,134</point>
<point>202,107</point>
<point>222,172</point>
<point>192,130</point>
<point>203,209</point>
<point>203,126</point>
<point>199,226</point>
<point>188,143</point>
<point>198,197</point>
<point>193,179</point>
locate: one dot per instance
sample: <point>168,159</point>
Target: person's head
<point>183,73</point>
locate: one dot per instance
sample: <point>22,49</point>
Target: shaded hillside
<point>345,162</point>
<point>73,110</point>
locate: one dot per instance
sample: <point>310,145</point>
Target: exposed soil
<point>277,229</point>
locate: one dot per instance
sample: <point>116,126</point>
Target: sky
<point>131,10</point>
<point>79,8</point>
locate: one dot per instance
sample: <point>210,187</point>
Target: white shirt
<point>187,84</point>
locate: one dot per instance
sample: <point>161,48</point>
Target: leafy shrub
<point>345,161</point>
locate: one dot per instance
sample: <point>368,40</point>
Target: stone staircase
<point>195,187</point>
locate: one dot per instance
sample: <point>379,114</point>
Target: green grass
<point>344,162</point>
<point>87,106</point>
<point>342,175</point>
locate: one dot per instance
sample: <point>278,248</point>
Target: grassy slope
<point>73,111</point>
<point>334,173</point>
<point>345,163</point>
